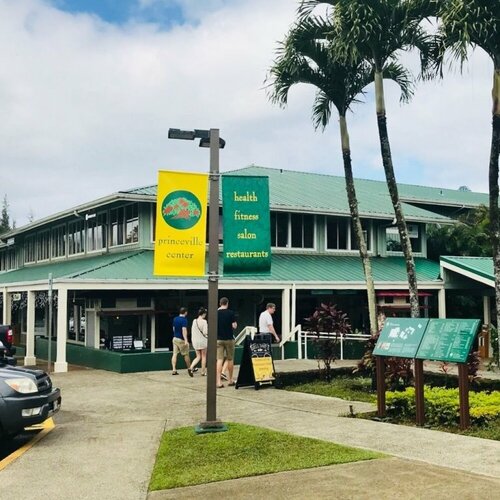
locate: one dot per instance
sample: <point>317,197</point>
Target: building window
<point>75,237</point>
<point>43,246</point>
<point>132,223</point>
<point>393,241</point>
<point>366,227</point>
<point>336,233</point>
<point>124,223</point>
<point>30,248</point>
<point>58,246</point>
<point>292,230</point>
<point>8,259</point>
<point>97,232</point>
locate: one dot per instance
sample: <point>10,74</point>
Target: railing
<point>304,336</point>
<point>248,330</point>
<point>291,335</point>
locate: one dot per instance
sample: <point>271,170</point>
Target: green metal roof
<point>70,268</point>
<point>480,266</point>
<point>319,193</point>
<point>285,268</point>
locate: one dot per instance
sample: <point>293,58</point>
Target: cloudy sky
<point>89,88</point>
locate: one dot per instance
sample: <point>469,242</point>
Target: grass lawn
<point>186,458</point>
<point>349,388</point>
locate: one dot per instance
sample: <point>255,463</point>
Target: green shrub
<point>442,405</point>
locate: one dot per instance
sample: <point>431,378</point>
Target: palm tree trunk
<point>494,191</point>
<point>393,191</point>
<point>353,206</point>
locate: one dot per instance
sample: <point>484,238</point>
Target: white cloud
<point>86,105</point>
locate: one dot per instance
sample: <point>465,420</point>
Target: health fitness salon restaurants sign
<point>247,233</point>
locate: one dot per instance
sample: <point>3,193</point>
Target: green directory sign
<point>448,340</point>
<point>400,337</point>
<point>246,225</point>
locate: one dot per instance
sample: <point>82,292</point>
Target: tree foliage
<point>470,236</point>
<point>5,217</point>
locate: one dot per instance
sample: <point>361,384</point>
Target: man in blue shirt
<point>180,341</point>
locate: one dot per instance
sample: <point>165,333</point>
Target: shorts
<point>180,347</point>
<point>225,349</point>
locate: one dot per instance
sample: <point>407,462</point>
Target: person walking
<point>266,325</point>
<point>180,341</point>
<point>226,323</point>
<point>199,339</point>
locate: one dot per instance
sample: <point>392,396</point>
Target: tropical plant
<point>308,56</point>
<point>375,31</point>
<point>328,323</point>
<point>464,25</point>
<point>469,236</point>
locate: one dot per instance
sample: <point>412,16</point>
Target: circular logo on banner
<point>181,209</point>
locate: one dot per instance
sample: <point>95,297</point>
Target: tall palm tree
<point>306,56</point>
<point>376,31</point>
<point>464,25</point>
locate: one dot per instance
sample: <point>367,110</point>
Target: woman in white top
<point>199,338</point>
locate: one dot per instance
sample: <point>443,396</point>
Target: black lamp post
<point>210,139</point>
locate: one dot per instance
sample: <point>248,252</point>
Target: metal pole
<point>212,424</point>
<point>49,346</point>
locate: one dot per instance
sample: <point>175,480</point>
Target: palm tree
<point>306,56</point>
<point>376,31</point>
<point>467,24</point>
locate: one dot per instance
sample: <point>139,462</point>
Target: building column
<point>442,303</point>
<point>487,320</point>
<point>30,358</point>
<point>285,312</point>
<point>62,330</point>
<point>293,306</point>
<point>152,343</point>
<point>7,307</point>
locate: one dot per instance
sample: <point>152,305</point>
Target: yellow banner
<point>181,222</point>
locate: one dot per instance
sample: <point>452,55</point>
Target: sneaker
<point>224,376</point>
<point>195,369</point>
<point>175,373</point>
<point>190,372</point>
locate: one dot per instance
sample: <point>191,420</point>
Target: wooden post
<point>419,392</point>
<point>463,394</point>
<point>380,370</point>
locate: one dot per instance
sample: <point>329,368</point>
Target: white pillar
<point>285,312</point>
<point>487,320</point>
<point>153,329</point>
<point>62,330</point>
<point>293,306</point>
<point>30,358</point>
<point>442,303</point>
<point>7,307</point>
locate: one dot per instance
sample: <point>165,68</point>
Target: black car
<point>26,398</point>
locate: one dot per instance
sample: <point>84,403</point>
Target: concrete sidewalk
<point>107,434</point>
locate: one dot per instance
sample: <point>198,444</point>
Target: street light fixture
<point>210,138</point>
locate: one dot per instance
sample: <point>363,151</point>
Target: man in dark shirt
<point>226,323</point>
<point>180,340</point>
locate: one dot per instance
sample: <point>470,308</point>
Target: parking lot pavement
<point>108,429</point>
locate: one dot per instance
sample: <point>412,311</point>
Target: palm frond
<point>402,76</point>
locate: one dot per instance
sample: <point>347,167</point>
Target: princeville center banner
<point>181,222</point>
<point>246,225</point>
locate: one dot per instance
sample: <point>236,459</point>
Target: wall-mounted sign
<point>448,340</point>
<point>400,337</point>
<point>246,225</point>
<point>181,222</point>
